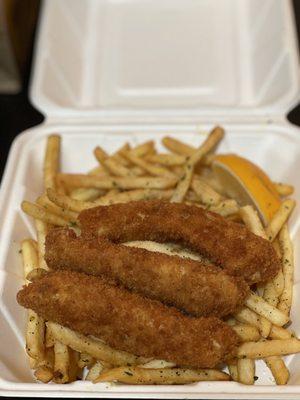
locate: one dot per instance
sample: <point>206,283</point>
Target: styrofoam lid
<point>172,59</point>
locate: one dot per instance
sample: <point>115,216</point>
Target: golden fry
<point>40,213</point>
<point>209,144</point>
<point>261,307</point>
<point>279,370</point>
<point>96,348</point>
<point>246,371</point>
<point>280,218</point>
<point>143,376</point>
<point>283,189</point>
<point>44,374</point>
<point>146,182</point>
<point>51,161</point>
<point>268,348</point>
<point>285,301</point>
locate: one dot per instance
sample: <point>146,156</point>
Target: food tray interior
<point>133,57</point>
<point>275,148</point>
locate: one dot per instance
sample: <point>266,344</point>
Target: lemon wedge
<point>247,184</point>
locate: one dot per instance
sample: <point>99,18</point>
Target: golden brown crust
<point>228,244</point>
<point>127,321</point>
<point>189,285</point>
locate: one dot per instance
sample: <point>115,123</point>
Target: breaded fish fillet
<point>227,244</point>
<point>189,285</point>
<point>127,321</point>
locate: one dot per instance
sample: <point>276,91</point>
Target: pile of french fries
<point>183,174</point>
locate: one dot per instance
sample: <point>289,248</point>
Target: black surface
<point>17,114</point>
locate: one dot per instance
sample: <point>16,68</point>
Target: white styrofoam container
<point>110,71</point>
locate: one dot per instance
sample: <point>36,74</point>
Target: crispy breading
<point>189,285</point>
<point>127,321</point>
<point>227,244</point>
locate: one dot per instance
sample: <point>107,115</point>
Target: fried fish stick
<point>127,321</point>
<point>189,285</point>
<point>227,244</point>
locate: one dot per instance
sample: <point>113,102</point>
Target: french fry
<point>40,213</point>
<point>117,169</point>
<point>278,283</point>
<point>276,246</point>
<point>35,324</point>
<point>41,232</point>
<point>95,371</point>
<point>246,371</point>
<point>286,298</point>
<point>44,374</point>
<point>144,376</point>
<point>86,194</point>
<point>205,192</point>
<point>157,364</point>
<point>247,316</point>
<point>89,194</point>
<point>96,348</point>
<point>283,189</point>
<point>143,149</point>
<point>68,215</point>
<point>270,294</point>
<point>252,221</point>
<point>178,147</point>
<point>61,363</point>
<point>123,197</point>
<point>168,160</point>
<point>279,370</point>
<point>261,307</point>
<point>268,348</point>
<point>29,256</point>
<point>184,183</point>
<point>51,161</point>
<point>49,338</point>
<point>225,208</point>
<point>233,371</point>
<point>35,336</point>
<point>277,332</point>
<point>280,218</point>
<point>33,363</point>
<point>246,333</point>
<point>146,166</point>
<point>146,182</point>
<point>85,360</point>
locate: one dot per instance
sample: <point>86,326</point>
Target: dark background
<point>16,113</point>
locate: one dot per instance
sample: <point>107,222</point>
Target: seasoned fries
<point>209,144</point>
<point>286,297</point>
<point>247,333</point>
<point>184,174</point>
<point>246,371</point>
<point>280,218</point>
<point>89,181</point>
<point>278,369</point>
<point>96,348</point>
<point>35,329</point>
<point>144,376</point>
<point>283,189</point>
<point>51,162</point>
<point>62,363</point>
<point>42,214</point>
<point>269,348</point>
<point>44,374</point>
